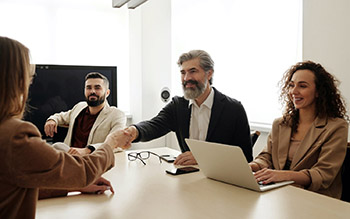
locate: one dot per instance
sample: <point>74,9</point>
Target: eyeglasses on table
<point>143,155</point>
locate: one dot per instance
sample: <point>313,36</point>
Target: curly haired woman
<point>308,144</point>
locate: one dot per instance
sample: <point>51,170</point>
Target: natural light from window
<point>252,43</point>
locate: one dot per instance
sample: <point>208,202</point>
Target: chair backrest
<point>254,136</point>
<point>346,176</point>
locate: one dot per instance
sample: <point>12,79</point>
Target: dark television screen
<point>58,88</point>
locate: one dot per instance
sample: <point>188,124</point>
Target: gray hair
<point>205,61</point>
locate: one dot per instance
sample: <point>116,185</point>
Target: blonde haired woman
<point>26,161</point>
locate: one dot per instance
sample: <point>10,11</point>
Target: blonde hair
<point>15,73</point>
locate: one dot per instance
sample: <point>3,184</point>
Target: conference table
<point>147,191</point>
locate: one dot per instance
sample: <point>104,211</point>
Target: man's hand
<point>98,187</point>
<point>50,128</point>
<point>132,131</point>
<point>185,158</point>
<point>119,138</point>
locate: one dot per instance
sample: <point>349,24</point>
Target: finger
<point>51,130</point>
<point>55,128</point>
<point>111,189</point>
<point>179,159</point>
<point>182,160</point>
<point>47,130</point>
<point>101,189</point>
<point>190,162</point>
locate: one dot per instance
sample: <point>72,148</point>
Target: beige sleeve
<point>36,164</point>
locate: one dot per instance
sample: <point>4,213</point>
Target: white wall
<point>150,61</point>
<point>326,39</point>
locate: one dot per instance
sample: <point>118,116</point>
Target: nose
<point>294,90</point>
<point>187,76</point>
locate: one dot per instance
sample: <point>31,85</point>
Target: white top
<point>200,117</point>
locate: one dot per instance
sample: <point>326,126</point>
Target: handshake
<point>122,138</point>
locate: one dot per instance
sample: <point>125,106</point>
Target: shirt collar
<point>208,102</point>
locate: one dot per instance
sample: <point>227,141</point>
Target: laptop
<point>227,163</point>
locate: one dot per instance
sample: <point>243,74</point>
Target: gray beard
<point>193,93</point>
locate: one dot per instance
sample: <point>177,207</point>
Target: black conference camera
<point>165,94</point>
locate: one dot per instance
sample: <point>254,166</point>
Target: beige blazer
<point>109,120</point>
<point>28,163</point>
<point>320,154</point>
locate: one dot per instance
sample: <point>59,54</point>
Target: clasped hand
<point>120,138</point>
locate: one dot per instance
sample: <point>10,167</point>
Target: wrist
<point>90,148</point>
<point>135,132</point>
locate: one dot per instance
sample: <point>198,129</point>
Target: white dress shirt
<point>200,117</point>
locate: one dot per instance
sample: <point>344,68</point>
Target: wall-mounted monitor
<point>58,88</point>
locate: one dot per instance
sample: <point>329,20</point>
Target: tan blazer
<point>320,154</point>
<point>109,120</point>
<point>28,163</point>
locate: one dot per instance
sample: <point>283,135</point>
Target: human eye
<point>303,85</point>
<point>193,70</point>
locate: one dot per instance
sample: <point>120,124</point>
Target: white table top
<point>146,191</point>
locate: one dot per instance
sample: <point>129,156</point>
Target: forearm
<point>299,178</point>
<point>51,193</point>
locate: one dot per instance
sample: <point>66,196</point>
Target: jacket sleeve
<point>242,133</point>
<point>118,121</point>
<point>62,118</point>
<point>159,125</point>
<point>331,158</point>
<point>35,164</point>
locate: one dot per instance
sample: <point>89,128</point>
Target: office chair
<point>254,136</point>
<point>346,176</point>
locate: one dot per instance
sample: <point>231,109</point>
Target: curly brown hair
<point>329,102</point>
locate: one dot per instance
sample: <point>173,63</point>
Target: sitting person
<point>308,144</point>
<point>203,113</point>
<point>90,121</point>
<point>28,163</point>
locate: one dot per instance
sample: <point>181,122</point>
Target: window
<point>79,32</point>
<point>252,43</point>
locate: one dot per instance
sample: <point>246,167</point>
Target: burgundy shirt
<point>82,127</point>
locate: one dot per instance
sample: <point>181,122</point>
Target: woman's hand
<point>268,175</point>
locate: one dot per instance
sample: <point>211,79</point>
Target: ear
<point>210,74</point>
<point>108,92</point>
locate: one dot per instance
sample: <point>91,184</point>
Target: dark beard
<point>97,102</point>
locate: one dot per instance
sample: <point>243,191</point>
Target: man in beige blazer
<point>89,122</point>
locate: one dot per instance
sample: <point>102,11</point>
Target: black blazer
<point>228,123</point>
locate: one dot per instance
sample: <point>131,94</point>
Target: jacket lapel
<point>216,110</point>
<point>185,114</point>
<point>283,145</point>
<point>309,140</point>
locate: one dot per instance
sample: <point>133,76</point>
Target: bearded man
<point>203,113</point>
<point>89,122</point>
